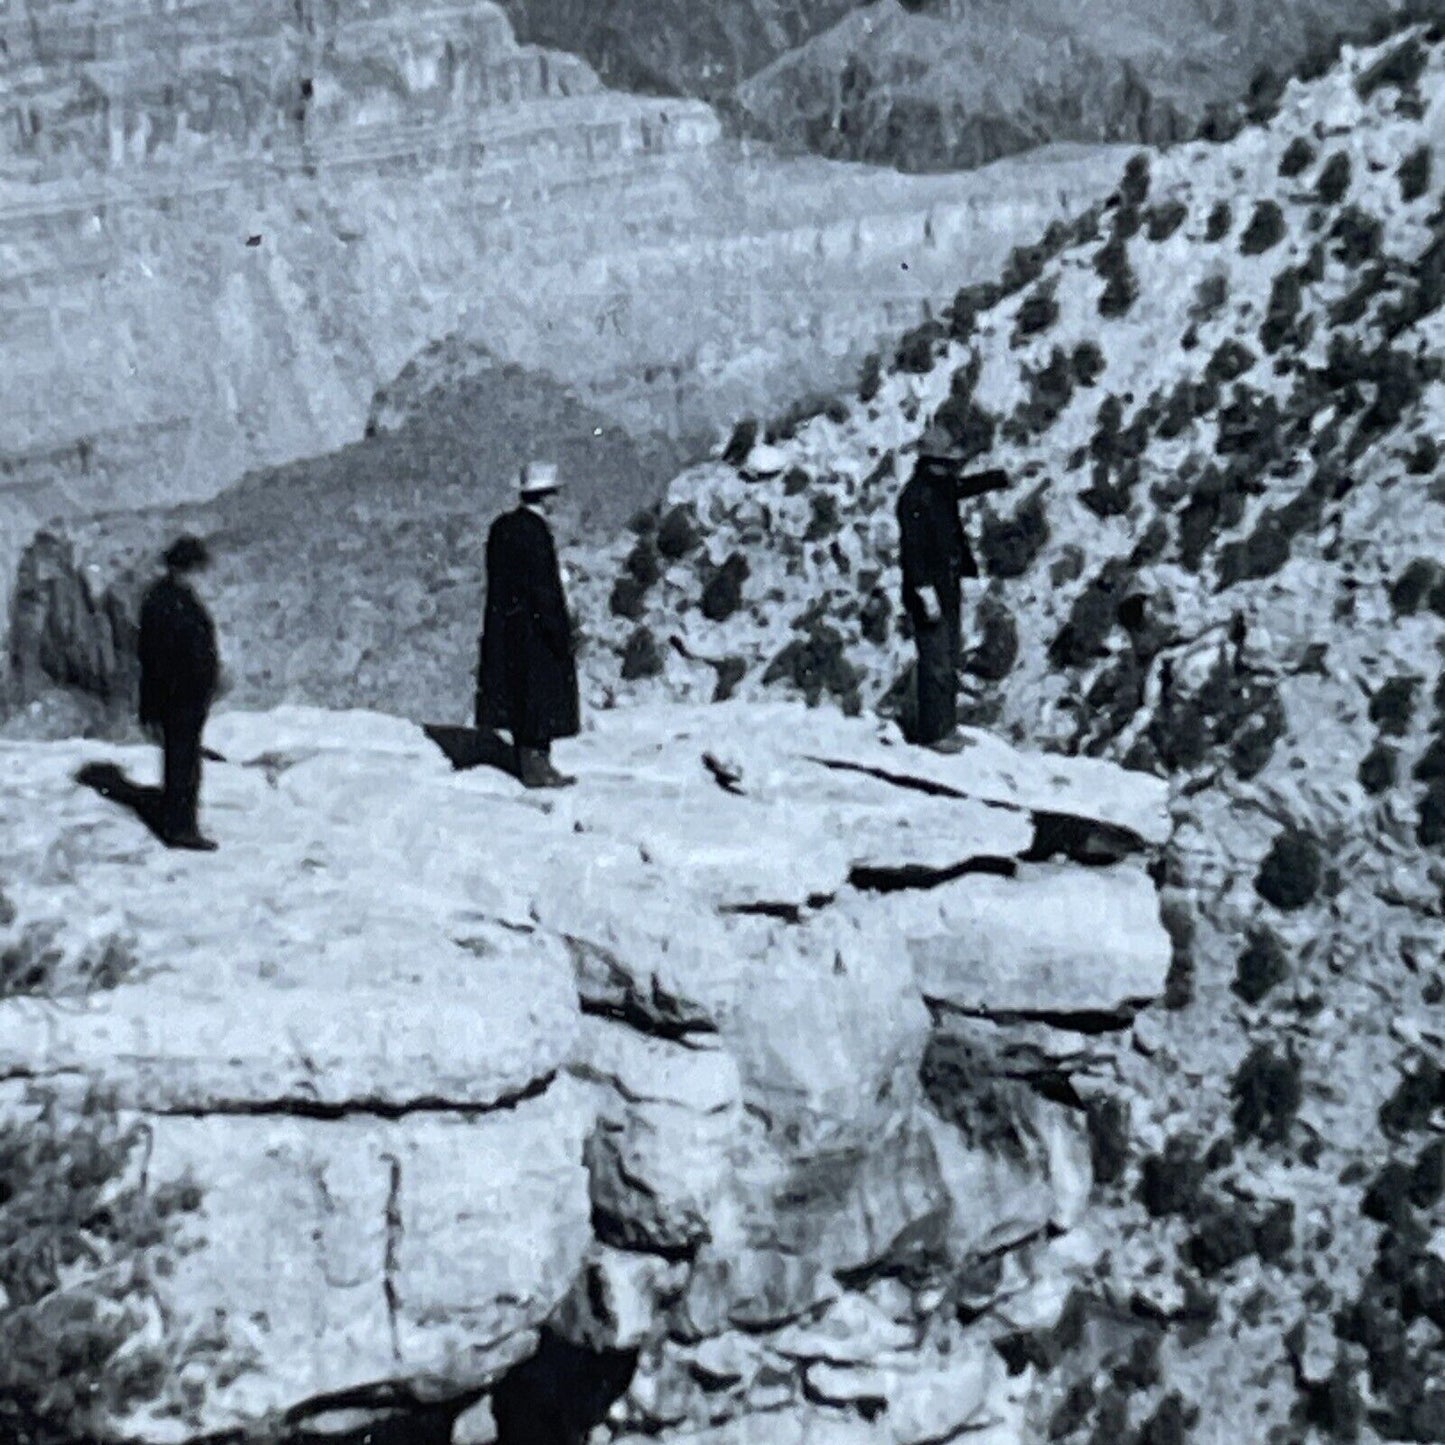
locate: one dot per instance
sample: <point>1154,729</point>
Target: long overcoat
<point>933,547</point>
<point>527,671</point>
<point>179,662</point>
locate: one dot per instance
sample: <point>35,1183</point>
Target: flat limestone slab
<point>344,1254</point>
<point>1053,940</point>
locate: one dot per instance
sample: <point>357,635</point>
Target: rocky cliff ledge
<point>710,1066</point>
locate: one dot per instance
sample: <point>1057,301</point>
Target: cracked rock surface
<point>448,1064</point>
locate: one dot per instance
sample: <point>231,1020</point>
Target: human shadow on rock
<point>467,748</point>
<point>112,784</point>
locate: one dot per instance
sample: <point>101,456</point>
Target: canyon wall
<point>222,229</point>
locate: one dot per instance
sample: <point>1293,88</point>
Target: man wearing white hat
<point>527,674</point>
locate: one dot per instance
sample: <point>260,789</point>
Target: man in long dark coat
<point>935,556</point>
<point>527,676</point>
<point>179,673</point>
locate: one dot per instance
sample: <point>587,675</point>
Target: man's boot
<point>536,770</point>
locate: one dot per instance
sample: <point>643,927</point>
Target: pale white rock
<point>942,1395</point>
<point>476,1425</point>
<point>1054,939</point>
<point>617,1299</point>
<point>698,1075</point>
<point>764,460</point>
<point>852,1331</point>
<point>724,1360</point>
<point>829,1384</point>
<point>360,1249</point>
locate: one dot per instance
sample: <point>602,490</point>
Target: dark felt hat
<point>187,554</point>
<point>937,444</point>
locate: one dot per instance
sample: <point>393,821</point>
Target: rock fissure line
<point>395,1234</point>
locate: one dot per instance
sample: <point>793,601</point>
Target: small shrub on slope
<point>72,1236</point>
<point>1292,871</point>
<point>1262,965</point>
<point>1298,156</point>
<point>1162,221</point>
<point>1414,173</point>
<point>1121,286</point>
<point>1333,183</point>
<point>1265,230</point>
<point>1221,219</point>
<point>1267,1094</point>
<point>1038,311</point>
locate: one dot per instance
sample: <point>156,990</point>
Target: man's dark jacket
<point>527,677</point>
<point>933,548</point>
<point>179,662</point>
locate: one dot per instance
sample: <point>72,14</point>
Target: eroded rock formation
<point>445,1074</point>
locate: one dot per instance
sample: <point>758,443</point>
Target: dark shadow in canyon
<point>559,1394</point>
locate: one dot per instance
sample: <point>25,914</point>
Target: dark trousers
<point>181,790</point>
<point>940,650</point>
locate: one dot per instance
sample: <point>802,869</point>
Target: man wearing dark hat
<point>935,556</point>
<point>179,672</point>
<point>527,676</point>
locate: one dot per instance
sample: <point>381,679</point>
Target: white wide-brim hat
<point>538,478</point>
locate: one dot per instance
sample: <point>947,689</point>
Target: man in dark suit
<point>179,673</point>
<point>935,557</point>
<point>527,674</point>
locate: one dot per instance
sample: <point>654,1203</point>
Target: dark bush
<point>802,411</point>
<point>1179,981</point>
<point>1402,68</point>
<point>1430,832</point>
<point>1424,457</point>
<point>1419,1093</point>
<point>1414,173</point>
<point>1049,392</point>
<point>628,599</point>
<point>1393,705</point>
<point>1265,230</point>
<point>1152,545</point>
<point>1221,219</point>
<point>1387,1200</point>
<point>918,349</point>
<point>825,519</point>
<point>1230,361</point>
<point>1333,182</point>
<point>641,657</point>
<point>1299,154</point>
<point>678,532</point>
<point>1037,312</point>
<point>815,664</point>
<point>1358,236</point>
<point>1072,1413</point>
<point>1260,555</point>
<point>1267,1094</point>
<point>1108,1123</point>
<point>1378,770</point>
<point>1292,870</point>
<point>972,428</point>
<point>1161,222</point>
<point>1024,266</point>
<point>1262,966</point>
<point>1210,296</point>
<point>744,437</point>
<point>730,671</point>
<point>1224,1237</point>
<point>1134,185</point>
<point>1170,1183</point>
<point>723,593</point>
<point>1427,1176</point>
<point>642,563</point>
<point>1431,765</point>
<point>1170,1424</point>
<point>1092,617</point>
<point>870,377</point>
<point>1087,363</point>
<point>1121,289</point>
<point>875,620</point>
<point>1412,587</point>
<point>1280,322</point>
<point>998,648</point>
<point>1265,723</point>
<point>1010,545</point>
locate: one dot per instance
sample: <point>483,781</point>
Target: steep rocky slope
<point>362,1121</point>
<point>223,227</point>
<point>1220,400</point>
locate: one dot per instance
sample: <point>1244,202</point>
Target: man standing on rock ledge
<point>527,675</point>
<point>179,673</point>
<point>935,557</point>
